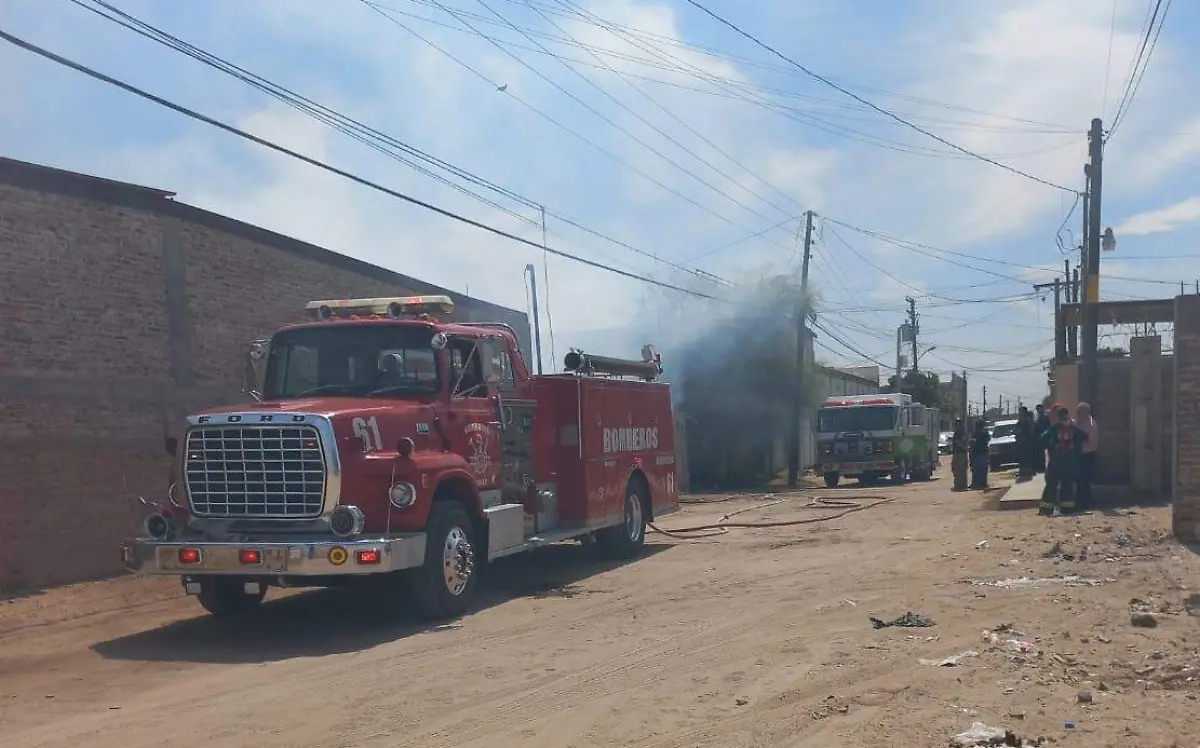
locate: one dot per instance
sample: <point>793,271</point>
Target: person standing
<point>980,441</point>
<point>1087,463</point>
<point>958,455</point>
<point>1025,445</point>
<point>1041,424</point>
<point>1063,443</point>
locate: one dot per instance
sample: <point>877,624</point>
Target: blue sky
<point>681,152</point>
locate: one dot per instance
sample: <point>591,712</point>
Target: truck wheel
<point>445,584</point>
<point>920,474</point>
<point>832,480</point>
<point>226,596</point>
<point>625,541</point>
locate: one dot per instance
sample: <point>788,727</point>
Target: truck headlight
<point>158,526</point>
<point>403,495</point>
<point>346,521</point>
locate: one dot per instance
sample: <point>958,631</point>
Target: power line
<point>1145,52</point>
<point>571,10</point>
<point>617,127</point>
<point>875,107</point>
<point>364,133</point>
<point>725,85</point>
<point>95,74</point>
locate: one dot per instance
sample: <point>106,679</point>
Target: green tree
<point>925,388</point>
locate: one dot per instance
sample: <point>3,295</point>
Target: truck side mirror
<point>256,364</point>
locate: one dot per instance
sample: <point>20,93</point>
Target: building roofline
<point>41,178</point>
<point>843,374</point>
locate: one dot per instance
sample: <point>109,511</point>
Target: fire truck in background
<point>387,442</point>
<point>869,436</point>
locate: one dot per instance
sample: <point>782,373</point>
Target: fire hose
<point>723,525</point>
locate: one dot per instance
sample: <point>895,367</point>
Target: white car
<point>944,440</point>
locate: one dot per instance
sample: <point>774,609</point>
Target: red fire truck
<point>384,441</point>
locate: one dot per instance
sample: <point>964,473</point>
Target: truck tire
<point>444,586</point>
<point>226,596</point>
<point>625,541</point>
<point>832,480</point>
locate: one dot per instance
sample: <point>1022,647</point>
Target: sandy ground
<point>757,637</point>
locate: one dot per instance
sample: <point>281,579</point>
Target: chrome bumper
<point>306,558</point>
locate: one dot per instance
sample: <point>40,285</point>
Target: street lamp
<point>1108,242</point>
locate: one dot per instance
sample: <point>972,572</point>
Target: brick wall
<point>1186,485</point>
<point>124,310</point>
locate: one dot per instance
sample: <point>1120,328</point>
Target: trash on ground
<point>951,661</point>
<point>909,620</point>
<point>980,734</point>
<point>981,544</point>
<point>1018,582</point>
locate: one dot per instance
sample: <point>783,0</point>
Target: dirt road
<point>753,638</point>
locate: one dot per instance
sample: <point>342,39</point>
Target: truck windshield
<point>856,418</point>
<point>351,360</point>
<point>1001,430</point>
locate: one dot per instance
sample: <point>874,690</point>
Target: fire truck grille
<point>255,472</point>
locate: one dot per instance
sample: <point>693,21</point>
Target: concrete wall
<point>1185,485</point>
<point>1135,412</point>
<point>124,310</point>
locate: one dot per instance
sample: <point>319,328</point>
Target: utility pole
<point>984,413</point>
<point>1073,332</point>
<point>1060,336</point>
<point>537,324</point>
<point>1091,267</point>
<point>912,326</point>
<point>801,344</point>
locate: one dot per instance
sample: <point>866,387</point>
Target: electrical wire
<point>725,85</point>
<point>615,125</point>
<point>364,133</point>
<point>95,74</point>
<point>1145,53</point>
<point>875,107</point>
<point>574,12</point>
<point>667,111</point>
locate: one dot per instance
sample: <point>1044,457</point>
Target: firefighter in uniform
<point>1063,444</point>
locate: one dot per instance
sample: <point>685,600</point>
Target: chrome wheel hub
<point>458,561</point>
<point>633,517</point>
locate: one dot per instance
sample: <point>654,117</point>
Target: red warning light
<point>189,555</point>
<point>249,557</point>
<point>367,558</point>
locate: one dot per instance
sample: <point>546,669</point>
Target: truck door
<point>516,413</point>
<point>473,428</point>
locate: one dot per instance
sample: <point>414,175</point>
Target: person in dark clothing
<point>1025,443</point>
<point>1064,445</point>
<point>1041,424</point>
<point>979,455</point>
<point>958,455</point>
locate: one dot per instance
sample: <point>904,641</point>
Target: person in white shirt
<point>1087,465</point>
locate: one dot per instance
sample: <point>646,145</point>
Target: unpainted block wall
<point>119,320</point>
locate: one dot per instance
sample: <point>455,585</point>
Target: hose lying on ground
<point>722,526</point>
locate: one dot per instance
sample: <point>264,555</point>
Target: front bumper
<point>858,468</point>
<point>292,559</point>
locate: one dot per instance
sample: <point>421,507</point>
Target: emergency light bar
<point>393,307</point>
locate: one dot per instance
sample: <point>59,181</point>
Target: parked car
<point>1003,447</point>
<point>944,442</point>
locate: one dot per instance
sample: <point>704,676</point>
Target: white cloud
<point>1161,220</point>
<point>1025,59</point>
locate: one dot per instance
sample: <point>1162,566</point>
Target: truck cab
<point>383,441</point>
<point>870,436</point>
